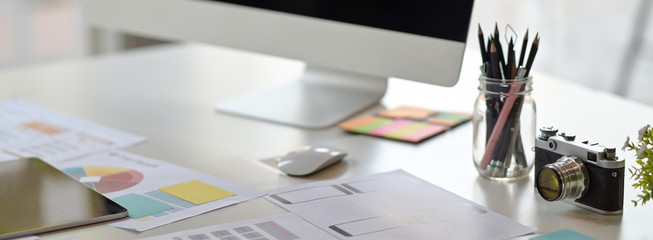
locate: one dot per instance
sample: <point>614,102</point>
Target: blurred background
<point>602,44</point>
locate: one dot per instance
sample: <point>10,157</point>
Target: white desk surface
<point>168,93</point>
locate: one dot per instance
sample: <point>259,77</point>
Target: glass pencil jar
<point>504,128</point>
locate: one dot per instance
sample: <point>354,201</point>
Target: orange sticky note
<point>350,125</point>
<point>197,192</point>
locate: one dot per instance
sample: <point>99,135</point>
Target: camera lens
<point>548,184</point>
<point>565,178</point>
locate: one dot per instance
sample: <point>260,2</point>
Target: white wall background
<point>36,31</point>
<point>585,41</point>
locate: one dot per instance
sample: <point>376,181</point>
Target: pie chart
<point>105,179</point>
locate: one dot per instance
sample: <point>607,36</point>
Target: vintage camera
<point>584,174</point>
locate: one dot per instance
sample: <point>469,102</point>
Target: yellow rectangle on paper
<point>197,192</point>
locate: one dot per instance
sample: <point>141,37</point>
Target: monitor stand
<point>320,98</point>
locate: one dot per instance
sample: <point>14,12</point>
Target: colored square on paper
<point>449,119</point>
<point>407,112</point>
<point>44,128</point>
<point>197,192</point>
<point>564,234</point>
<point>140,206</point>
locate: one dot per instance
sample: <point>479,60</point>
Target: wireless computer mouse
<point>309,159</point>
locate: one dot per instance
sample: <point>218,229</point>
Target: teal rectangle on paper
<point>170,199</point>
<point>75,172</point>
<point>564,234</point>
<point>140,206</point>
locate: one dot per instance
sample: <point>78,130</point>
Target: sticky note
<point>139,206</point>
<point>367,128</point>
<point>424,133</point>
<point>450,119</point>
<point>401,132</point>
<point>564,234</point>
<point>388,128</point>
<point>350,125</point>
<point>408,124</point>
<point>407,112</point>
<point>197,192</point>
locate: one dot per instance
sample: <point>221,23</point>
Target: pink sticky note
<point>394,125</point>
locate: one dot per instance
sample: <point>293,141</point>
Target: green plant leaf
<point>643,175</point>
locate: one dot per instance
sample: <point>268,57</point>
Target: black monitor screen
<point>434,18</point>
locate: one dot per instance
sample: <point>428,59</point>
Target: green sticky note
<point>401,132</point>
<point>367,128</point>
<point>564,234</point>
<point>139,206</point>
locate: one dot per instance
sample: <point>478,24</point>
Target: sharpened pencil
<point>523,50</point>
<point>497,43</point>
<point>487,49</point>
<point>482,44</point>
<point>531,55</point>
<point>512,68</point>
<point>494,61</point>
<point>496,30</point>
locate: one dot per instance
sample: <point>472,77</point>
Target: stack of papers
<point>27,130</point>
<point>393,205</point>
<point>154,192</point>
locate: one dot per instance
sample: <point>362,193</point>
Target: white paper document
<point>393,205</point>
<point>154,192</point>
<point>280,227</point>
<point>27,130</point>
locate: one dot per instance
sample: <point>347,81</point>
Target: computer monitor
<point>350,47</point>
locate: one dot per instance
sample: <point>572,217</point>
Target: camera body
<point>584,174</point>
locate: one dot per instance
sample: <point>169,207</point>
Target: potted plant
<point>642,172</point>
